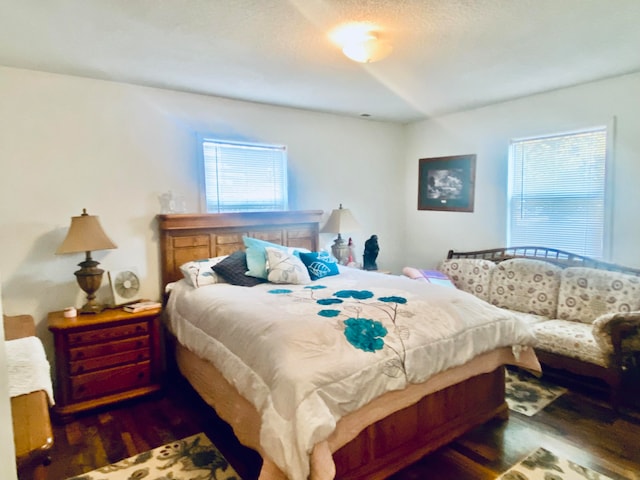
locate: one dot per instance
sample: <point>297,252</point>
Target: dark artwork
<point>371,250</point>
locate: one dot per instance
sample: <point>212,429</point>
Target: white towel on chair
<point>29,370</point>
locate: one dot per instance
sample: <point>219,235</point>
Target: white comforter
<point>306,355</point>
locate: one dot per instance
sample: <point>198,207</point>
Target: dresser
<point>105,358</point>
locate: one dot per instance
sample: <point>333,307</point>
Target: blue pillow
<point>319,264</point>
<point>257,256</point>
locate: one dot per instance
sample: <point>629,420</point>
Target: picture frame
<point>447,183</point>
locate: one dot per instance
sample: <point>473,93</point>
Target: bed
<point>377,398</point>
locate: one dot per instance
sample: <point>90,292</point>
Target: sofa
<point>32,430</point>
<point>585,313</point>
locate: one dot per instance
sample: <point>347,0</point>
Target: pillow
<point>198,273</point>
<point>285,267</point>
<point>233,269</point>
<point>319,264</point>
<point>257,256</point>
<point>430,276</point>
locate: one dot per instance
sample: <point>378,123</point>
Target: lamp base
<point>88,308</point>
<point>90,278</point>
<point>340,250</point>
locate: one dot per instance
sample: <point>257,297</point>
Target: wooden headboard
<point>186,237</point>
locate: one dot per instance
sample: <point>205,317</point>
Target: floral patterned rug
<point>545,465</point>
<point>192,458</point>
<point>527,394</point>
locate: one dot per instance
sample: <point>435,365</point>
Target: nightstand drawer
<point>109,333</point>
<point>100,349</point>
<point>106,361</point>
<point>110,381</point>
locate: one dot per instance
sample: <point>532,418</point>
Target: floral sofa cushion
<point>571,339</point>
<point>526,285</point>
<point>587,293</point>
<point>473,275</point>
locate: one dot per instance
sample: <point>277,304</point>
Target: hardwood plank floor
<point>578,426</point>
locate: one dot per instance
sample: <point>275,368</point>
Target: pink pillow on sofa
<point>431,276</point>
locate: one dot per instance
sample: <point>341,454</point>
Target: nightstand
<point>105,358</point>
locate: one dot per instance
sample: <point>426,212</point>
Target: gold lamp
<point>85,235</point>
<point>340,221</point>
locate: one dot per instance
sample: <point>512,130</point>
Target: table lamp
<point>85,235</point>
<point>340,221</point>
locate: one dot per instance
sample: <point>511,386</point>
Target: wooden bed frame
<point>388,443</point>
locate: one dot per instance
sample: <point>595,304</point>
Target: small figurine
<point>371,250</point>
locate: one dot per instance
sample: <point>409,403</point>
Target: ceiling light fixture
<point>361,42</point>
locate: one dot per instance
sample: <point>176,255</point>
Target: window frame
<point>200,146</point>
<point>607,222</point>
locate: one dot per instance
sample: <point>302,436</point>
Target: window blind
<point>557,192</point>
<point>244,177</point>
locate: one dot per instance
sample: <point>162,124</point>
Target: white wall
<point>487,132</point>
<point>68,143</point>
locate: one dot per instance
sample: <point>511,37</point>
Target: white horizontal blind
<point>557,192</point>
<point>244,177</point>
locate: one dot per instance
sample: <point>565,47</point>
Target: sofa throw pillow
<point>285,267</point>
<point>233,269</point>
<point>526,285</point>
<point>257,256</point>
<point>586,293</point>
<point>198,273</point>
<point>319,264</point>
<point>431,276</point>
<point>473,275</point>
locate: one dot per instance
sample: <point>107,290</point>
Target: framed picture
<point>447,183</point>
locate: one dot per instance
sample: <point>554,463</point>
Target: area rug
<point>192,458</point>
<point>528,395</point>
<point>545,465</point>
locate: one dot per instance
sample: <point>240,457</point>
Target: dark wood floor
<point>578,425</point>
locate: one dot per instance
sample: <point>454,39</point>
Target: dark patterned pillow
<point>319,264</point>
<point>233,269</point>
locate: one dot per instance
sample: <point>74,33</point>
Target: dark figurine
<point>371,250</point>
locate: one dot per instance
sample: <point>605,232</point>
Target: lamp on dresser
<point>85,235</point>
<point>340,221</point>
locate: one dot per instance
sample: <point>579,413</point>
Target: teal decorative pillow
<point>285,267</point>
<point>319,264</point>
<point>257,256</point>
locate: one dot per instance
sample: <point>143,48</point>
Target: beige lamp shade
<point>341,221</point>
<point>85,234</point>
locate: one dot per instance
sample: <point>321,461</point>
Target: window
<point>557,192</point>
<point>244,177</point>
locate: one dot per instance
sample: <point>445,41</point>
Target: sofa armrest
<point>18,326</point>
<point>619,335</point>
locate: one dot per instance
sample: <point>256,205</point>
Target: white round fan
<point>125,286</point>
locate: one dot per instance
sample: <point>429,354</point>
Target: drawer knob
<point>140,375</point>
<point>80,369</point>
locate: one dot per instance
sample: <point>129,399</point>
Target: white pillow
<point>198,273</point>
<point>283,267</point>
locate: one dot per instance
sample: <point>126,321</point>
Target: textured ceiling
<point>447,55</point>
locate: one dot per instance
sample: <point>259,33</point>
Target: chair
<point>32,432</point>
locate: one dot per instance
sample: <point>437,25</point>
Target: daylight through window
<point>244,177</point>
<point>557,192</point>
